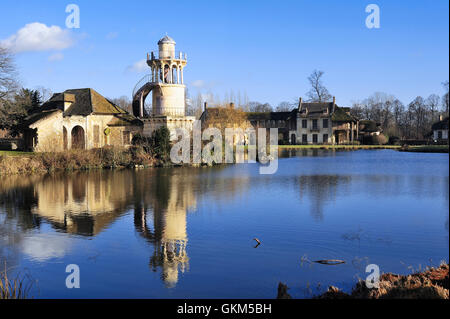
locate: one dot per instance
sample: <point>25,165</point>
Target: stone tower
<point>166,82</point>
<point>167,70</point>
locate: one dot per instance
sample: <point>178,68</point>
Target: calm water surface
<point>188,232</point>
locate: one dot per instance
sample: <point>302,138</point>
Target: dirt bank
<point>432,283</point>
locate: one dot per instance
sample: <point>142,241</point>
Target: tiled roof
<point>341,114</point>
<point>316,107</point>
<point>35,117</point>
<point>125,120</point>
<point>88,101</point>
<point>84,102</point>
<point>252,116</point>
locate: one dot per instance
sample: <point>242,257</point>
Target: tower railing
<point>178,55</point>
<point>146,79</point>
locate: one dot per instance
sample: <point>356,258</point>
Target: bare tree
<point>433,104</point>
<point>259,107</point>
<point>318,92</point>
<point>124,103</point>
<point>445,98</point>
<point>8,83</point>
<point>285,106</point>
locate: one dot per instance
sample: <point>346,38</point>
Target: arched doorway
<point>78,138</point>
<point>65,138</point>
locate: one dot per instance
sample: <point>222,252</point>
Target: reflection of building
<point>321,189</point>
<point>84,204</point>
<point>88,203</point>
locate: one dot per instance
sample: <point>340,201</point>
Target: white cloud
<point>139,66</point>
<point>43,247</point>
<point>204,85</point>
<point>56,57</point>
<point>112,35</point>
<point>198,84</point>
<point>38,37</point>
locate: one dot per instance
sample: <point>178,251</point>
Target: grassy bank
<point>355,147</point>
<point>433,283</point>
<point>426,149</point>
<point>20,162</point>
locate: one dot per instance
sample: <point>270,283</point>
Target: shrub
<point>394,140</point>
<point>379,139</point>
<point>161,143</point>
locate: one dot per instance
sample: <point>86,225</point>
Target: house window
<point>96,135</point>
<point>325,138</point>
<point>314,125</point>
<point>314,138</point>
<point>304,123</point>
<point>325,123</point>
<point>126,137</point>
<point>304,138</point>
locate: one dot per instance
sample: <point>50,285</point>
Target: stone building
<point>440,129</point>
<point>311,123</point>
<point>79,119</point>
<point>166,83</point>
<point>286,122</point>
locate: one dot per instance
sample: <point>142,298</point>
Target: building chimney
<point>334,104</point>
<point>300,101</point>
<point>206,106</point>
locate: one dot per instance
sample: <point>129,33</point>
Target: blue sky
<point>265,48</point>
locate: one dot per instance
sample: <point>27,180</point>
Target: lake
<point>189,232</point>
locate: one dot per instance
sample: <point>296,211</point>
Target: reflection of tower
<point>168,232</point>
<point>170,253</point>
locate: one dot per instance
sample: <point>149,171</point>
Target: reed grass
<point>18,287</point>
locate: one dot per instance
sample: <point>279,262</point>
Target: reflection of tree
<point>321,189</point>
<point>16,200</point>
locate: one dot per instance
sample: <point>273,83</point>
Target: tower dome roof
<point>166,39</point>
